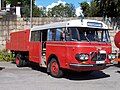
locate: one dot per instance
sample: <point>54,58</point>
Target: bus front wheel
<point>54,68</point>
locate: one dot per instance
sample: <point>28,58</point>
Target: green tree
<point>94,9</point>
<point>67,10</point>
<point>118,8</point>
<point>37,12</point>
<point>110,7</point>
<point>86,8</point>
<point>25,7</point>
<point>70,10</point>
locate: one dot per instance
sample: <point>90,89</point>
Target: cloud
<point>78,10</point>
<point>40,6</point>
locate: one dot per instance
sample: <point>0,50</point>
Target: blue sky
<point>48,2</point>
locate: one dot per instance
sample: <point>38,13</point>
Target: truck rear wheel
<point>54,68</point>
<point>19,62</point>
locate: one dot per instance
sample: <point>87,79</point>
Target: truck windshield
<point>88,34</point>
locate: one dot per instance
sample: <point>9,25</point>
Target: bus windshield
<point>88,34</point>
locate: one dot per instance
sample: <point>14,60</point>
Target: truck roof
<point>73,23</point>
<point>14,31</point>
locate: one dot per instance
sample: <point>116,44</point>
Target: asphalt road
<point>27,78</point>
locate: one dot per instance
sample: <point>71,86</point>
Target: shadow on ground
<point>35,66</point>
<point>1,68</point>
<point>73,75</point>
<point>117,65</point>
<point>77,75</point>
<point>81,76</point>
<point>117,72</point>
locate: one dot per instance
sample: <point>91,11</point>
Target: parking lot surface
<point>32,78</point>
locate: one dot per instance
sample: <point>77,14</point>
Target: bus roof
<point>73,23</point>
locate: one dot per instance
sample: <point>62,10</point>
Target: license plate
<point>100,62</point>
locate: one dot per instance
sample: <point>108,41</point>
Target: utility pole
<point>31,14</point>
<point>0,4</point>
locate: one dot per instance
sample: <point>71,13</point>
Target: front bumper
<point>88,67</point>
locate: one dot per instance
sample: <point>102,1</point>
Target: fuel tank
<point>117,39</point>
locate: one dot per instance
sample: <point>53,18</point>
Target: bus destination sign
<point>94,24</point>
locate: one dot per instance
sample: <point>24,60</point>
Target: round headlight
<point>82,57</point>
<point>111,56</point>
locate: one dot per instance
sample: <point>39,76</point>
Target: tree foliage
<point>25,7</point>
<point>110,8</point>
<point>90,10</point>
<point>94,9</point>
<point>85,7</point>
<point>67,10</point>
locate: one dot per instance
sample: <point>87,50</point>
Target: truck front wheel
<point>54,68</point>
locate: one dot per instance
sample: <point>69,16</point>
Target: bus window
<point>35,36</point>
<point>98,36</point>
<point>82,35</point>
<point>105,36</point>
<point>49,37</point>
<point>90,35</point>
<point>60,34</point>
<point>74,34</point>
<point>51,34</point>
<point>87,34</point>
<point>57,34</point>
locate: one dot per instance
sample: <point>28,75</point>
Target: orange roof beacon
<point>79,45</point>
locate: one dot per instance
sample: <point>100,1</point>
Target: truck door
<point>43,34</point>
<point>34,52</point>
<point>35,47</point>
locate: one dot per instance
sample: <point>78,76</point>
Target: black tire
<point>54,68</point>
<point>19,61</point>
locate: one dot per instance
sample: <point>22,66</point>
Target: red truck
<point>117,43</point>
<point>79,45</point>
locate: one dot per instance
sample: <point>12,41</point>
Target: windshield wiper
<point>86,37</point>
